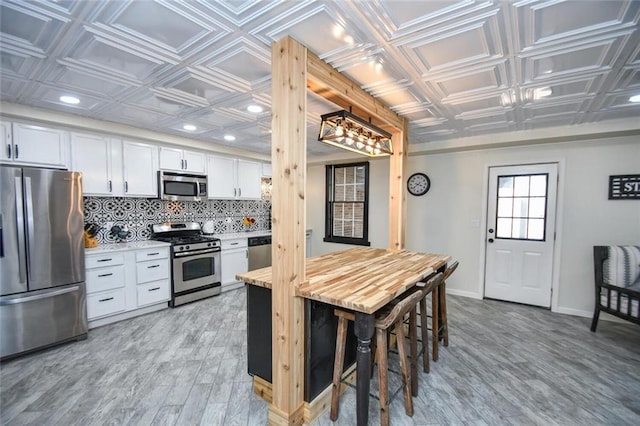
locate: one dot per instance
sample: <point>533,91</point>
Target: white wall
<point>443,221</point>
<point>378,207</point>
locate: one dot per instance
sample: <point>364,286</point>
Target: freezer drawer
<point>38,319</point>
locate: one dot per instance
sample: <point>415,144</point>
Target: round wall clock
<point>418,184</point>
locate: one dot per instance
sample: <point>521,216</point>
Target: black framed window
<point>522,207</point>
<point>347,204</point>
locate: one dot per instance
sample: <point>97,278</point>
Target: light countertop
<point>134,245</point>
<point>234,235</point>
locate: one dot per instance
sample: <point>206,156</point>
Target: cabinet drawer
<point>150,254</point>
<point>233,244</point>
<point>107,259</point>
<point>152,270</point>
<point>100,279</point>
<point>105,303</point>
<point>154,292</point>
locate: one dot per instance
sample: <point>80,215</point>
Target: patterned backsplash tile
<point>138,214</point>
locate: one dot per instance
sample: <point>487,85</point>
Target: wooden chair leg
<point>404,369</point>
<point>443,308</point>
<point>338,365</point>
<point>435,324</point>
<point>413,341</point>
<point>383,364</point>
<point>424,334</point>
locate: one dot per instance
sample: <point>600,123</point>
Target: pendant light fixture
<point>348,131</point>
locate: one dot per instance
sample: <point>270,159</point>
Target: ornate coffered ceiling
<point>456,69</point>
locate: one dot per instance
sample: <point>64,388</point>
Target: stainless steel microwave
<point>181,186</point>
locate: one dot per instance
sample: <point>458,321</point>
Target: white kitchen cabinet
<point>99,158</point>
<point>235,260</point>
<point>266,169</point>
<point>123,283</point>
<point>32,145</point>
<point>234,178</point>
<point>181,160</point>
<point>140,169</point>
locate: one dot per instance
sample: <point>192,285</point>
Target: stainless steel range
<point>195,261</point>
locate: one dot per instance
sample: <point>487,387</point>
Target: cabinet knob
<point>8,150</point>
<point>17,152</point>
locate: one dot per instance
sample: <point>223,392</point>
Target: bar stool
<point>438,304</point>
<point>442,291</point>
<point>388,317</point>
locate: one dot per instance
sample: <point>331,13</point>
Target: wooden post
<point>397,194</point>
<point>289,168</point>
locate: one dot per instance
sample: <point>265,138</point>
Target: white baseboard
<point>463,293</point>
<point>574,312</point>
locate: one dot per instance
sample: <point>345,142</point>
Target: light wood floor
<point>506,364</point>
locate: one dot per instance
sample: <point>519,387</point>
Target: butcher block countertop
<point>362,279</point>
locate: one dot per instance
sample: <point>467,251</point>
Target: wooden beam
<point>327,82</point>
<point>397,193</point>
<point>289,169</point>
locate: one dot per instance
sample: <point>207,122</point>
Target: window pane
<point>505,186</point>
<point>505,207</point>
<point>348,188</point>
<point>520,207</point>
<point>519,228</point>
<point>521,186</point>
<point>539,185</point>
<point>536,229</point>
<point>503,228</point>
<point>537,207</point>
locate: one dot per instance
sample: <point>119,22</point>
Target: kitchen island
<point>359,279</point>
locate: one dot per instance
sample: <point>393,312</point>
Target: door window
<point>522,204</point>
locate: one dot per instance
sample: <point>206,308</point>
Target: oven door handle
<point>195,252</point>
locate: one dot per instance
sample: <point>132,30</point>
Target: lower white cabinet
<point>235,260</point>
<point>122,283</point>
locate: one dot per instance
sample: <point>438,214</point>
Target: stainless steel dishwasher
<point>259,252</point>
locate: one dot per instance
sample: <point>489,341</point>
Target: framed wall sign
<point>624,187</point>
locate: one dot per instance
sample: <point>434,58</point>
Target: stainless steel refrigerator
<point>42,275</point>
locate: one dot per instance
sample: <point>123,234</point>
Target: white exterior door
<point>520,233</point>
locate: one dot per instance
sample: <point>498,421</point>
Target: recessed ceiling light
<point>70,100</point>
<point>348,39</point>
<point>229,138</point>
<point>254,108</point>
<point>634,98</point>
<point>189,127</point>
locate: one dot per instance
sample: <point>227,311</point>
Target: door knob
<point>490,240</point>
<point>491,231</point>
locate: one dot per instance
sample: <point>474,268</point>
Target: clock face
<point>418,184</point>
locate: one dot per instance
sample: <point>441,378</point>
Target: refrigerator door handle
<point>28,203</point>
<point>14,300</point>
<point>22,256</point>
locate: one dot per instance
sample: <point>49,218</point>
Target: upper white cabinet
<point>99,158</point>
<point>233,178</point>
<point>266,169</point>
<point>140,169</point>
<point>33,145</point>
<point>181,160</point>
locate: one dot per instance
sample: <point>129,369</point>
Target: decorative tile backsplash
<point>140,213</point>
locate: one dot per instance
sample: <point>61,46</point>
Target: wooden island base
<point>313,409</point>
